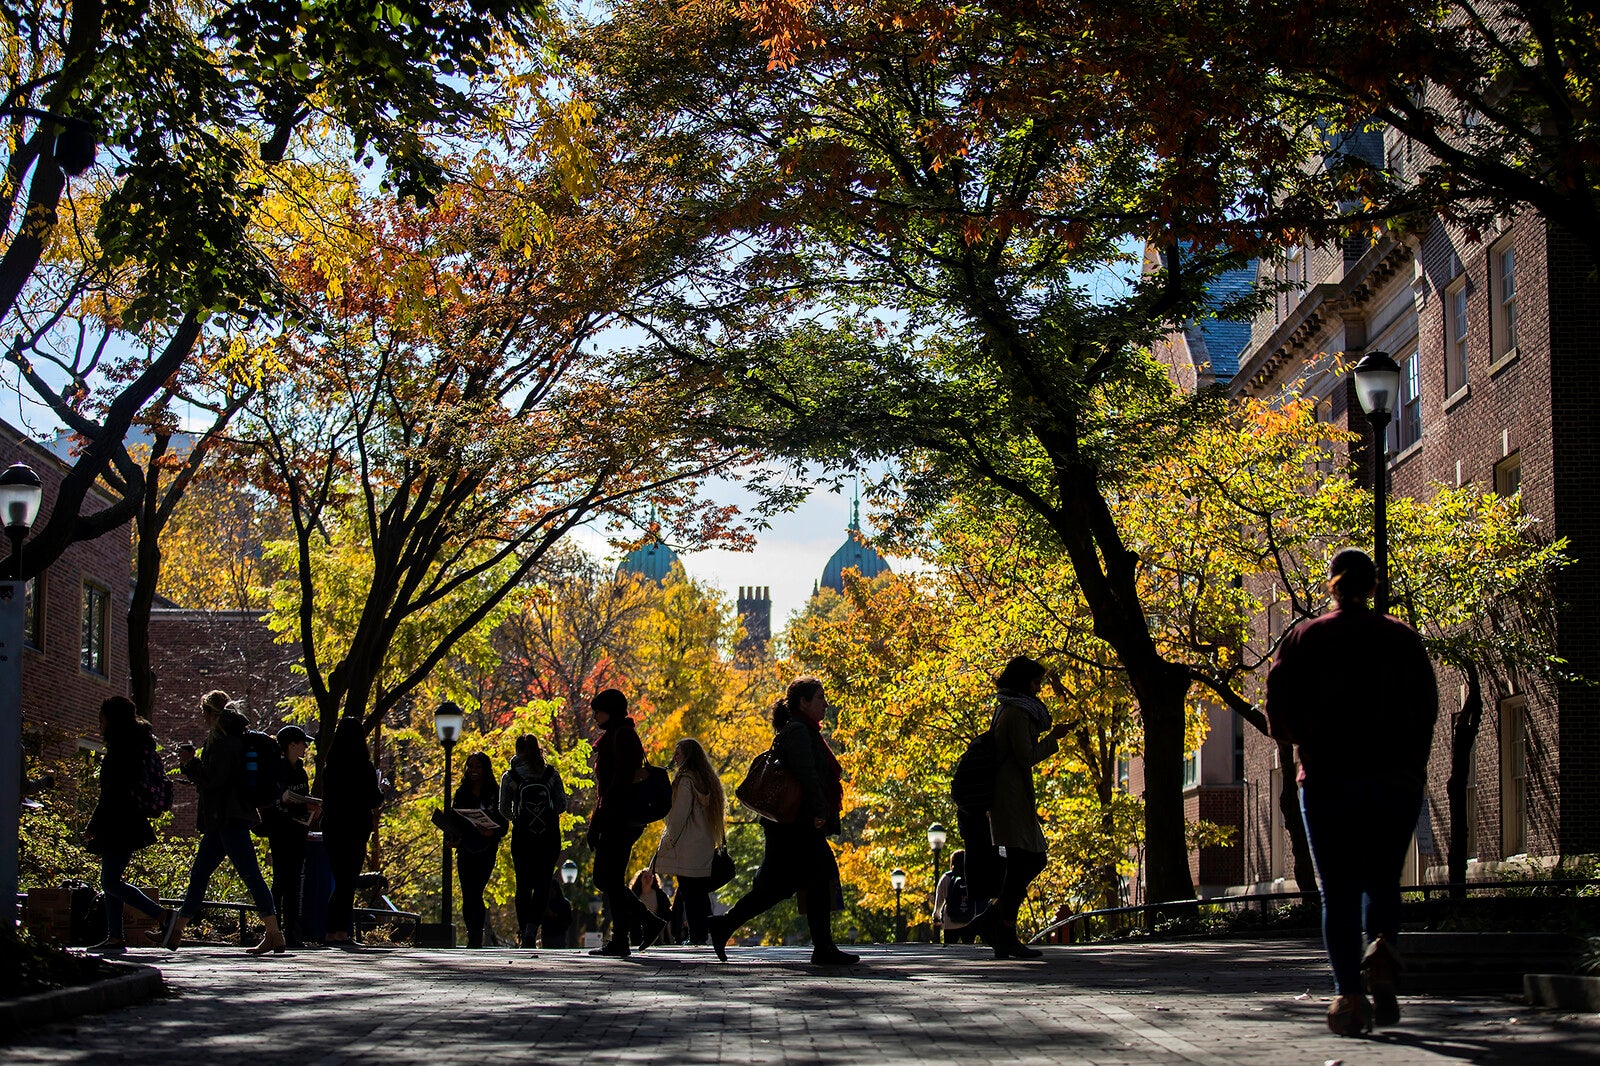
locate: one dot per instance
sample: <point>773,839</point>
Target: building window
<point>1406,428</point>
<point>1514,776</point>
<point>1508,475</point>
<point>1503,286</point>
<point>96,621</point>
<point>1238,748</point>
<point>1191,769</point>
<point>33,613</point>
<point>1455,337</point>
<point>1472,809</point>
<point>1123,766</point>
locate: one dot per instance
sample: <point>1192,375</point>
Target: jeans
<point>233,842</point>
<point>118,892</point>
<point>533,857</point>
<point>626,911</point>
<point>797,857</point>
<point>473,869</point>
<point>1359,830</point>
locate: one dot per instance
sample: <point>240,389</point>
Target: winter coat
<point>520,774</point>
<point>1014,818</point>
<point>472,841</point>
<point>1381,729</point>
<point>117,824</point>
<point>686,841</point>
<point>219,776</point>
<point>803,751</point>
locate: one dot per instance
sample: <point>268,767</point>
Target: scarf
<point>1038,714</point>
<point>833,773</point>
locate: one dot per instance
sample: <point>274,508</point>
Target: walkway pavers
<point>1215,1004</point>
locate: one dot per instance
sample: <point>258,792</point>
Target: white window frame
<point>95,617</point>
<point>1503,294</point>
<point>1405,428</point>
<point>1457,342</point>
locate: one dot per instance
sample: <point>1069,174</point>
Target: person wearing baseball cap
<point>286,824</point>
<point>1363,753</point>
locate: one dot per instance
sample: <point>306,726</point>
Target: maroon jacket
<point>1354,691</point>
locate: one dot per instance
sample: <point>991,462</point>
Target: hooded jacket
<point>522,773</point>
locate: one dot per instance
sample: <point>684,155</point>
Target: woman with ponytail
<point>797,856</point>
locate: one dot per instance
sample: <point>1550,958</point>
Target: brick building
<point>1490,334</point>
<point>76,628</point>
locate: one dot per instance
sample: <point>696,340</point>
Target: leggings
<point>533,857</point>
<point>288,869</point>
<point>1022,866</point>
<point>233,842</point>
<point>473,869</point>
<point>693,898</point>
<point>797,858</point>
<point>627,911</point>
<point>118,892</point>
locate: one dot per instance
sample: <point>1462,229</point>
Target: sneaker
<point>1380,972</point>
<point>613,949</point>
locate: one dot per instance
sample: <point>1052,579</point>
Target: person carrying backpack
<point>227,812</point>
<point>120,824</point>
<point>286,823</point>
<point>954,909</point>
<point>532,800</point>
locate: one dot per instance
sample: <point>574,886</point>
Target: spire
<point>855,505</point>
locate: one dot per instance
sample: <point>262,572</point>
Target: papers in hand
<point>478,818</point>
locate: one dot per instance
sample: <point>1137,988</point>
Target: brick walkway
<point>1215,1004</point>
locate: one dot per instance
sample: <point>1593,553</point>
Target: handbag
<point>722,869</point>
<point>650,798</point>
<point>770,789</point>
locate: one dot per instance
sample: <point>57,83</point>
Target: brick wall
<point>60,698</point>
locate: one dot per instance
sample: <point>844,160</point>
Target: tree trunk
<point>1305,871</point>
<point>147,572</point>
<point>1463,746</point>
<point>1161,689</point>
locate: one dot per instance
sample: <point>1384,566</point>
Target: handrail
<point>1425,891</point>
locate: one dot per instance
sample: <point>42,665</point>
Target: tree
<point>890,264</point>
<point>453,422</point>
<point>195,115</point>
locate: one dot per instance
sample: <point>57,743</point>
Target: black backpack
<point>535,809</point>
<point>972,783</point>
<point>262,787</point>
<point>957,903</point>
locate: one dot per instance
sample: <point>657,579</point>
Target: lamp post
<point>898,880</point>
<point>447,722</point>
<point>569,877</point>
<point>1377,387</point>
<point>20,493</point>
<point>937,835</point>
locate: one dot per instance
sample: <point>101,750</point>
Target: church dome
<point>853,554</point>
<point>652,561</point>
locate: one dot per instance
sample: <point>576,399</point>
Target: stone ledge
<point>139,984</point>
<point>1563,991</point>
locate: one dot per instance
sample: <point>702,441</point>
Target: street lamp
<point>898,880</point>
<point>1378,387</point>
<point>937,835</point>
<point>569,877</point>
<point>20,493</point>
<point>447,722</point>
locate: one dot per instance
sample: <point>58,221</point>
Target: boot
<point>615,948</point>
<point>1380,972</point>
<point>721,929</point>
<point>1007,945</point>
<point>1350,1016</point>
<point>271,940</point>
<point>169,934</point>
<point>831,955</point>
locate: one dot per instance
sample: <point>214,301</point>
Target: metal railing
<point>1546,888</point>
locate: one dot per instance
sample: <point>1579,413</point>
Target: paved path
<point>1213,1004</point>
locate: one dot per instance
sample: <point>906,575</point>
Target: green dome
<point>853,554</point>
<point>653,561</point>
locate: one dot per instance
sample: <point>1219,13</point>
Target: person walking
<point>1363,767</point>
<point>286,823</point>
<point>532,799</point>
<point>618,759</point>
<point>118,827</point>
<point>225,818</point>
<point>696,827</point>
<point>351,796</point>
<point>477,845</point>
<point>646,886</point>
<point>953,908</point>
<point>797,857</point>
<point>1023,738</point>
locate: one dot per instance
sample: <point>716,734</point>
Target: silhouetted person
<point>118,827</point>
<point>476,845</point>
<point>696,826</point>
<point>532,799</point>
<point>619,757</point>
<point>287,822</point>
<point>1363,754</point>
<point>797,857</point>
<point>351,796</point>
